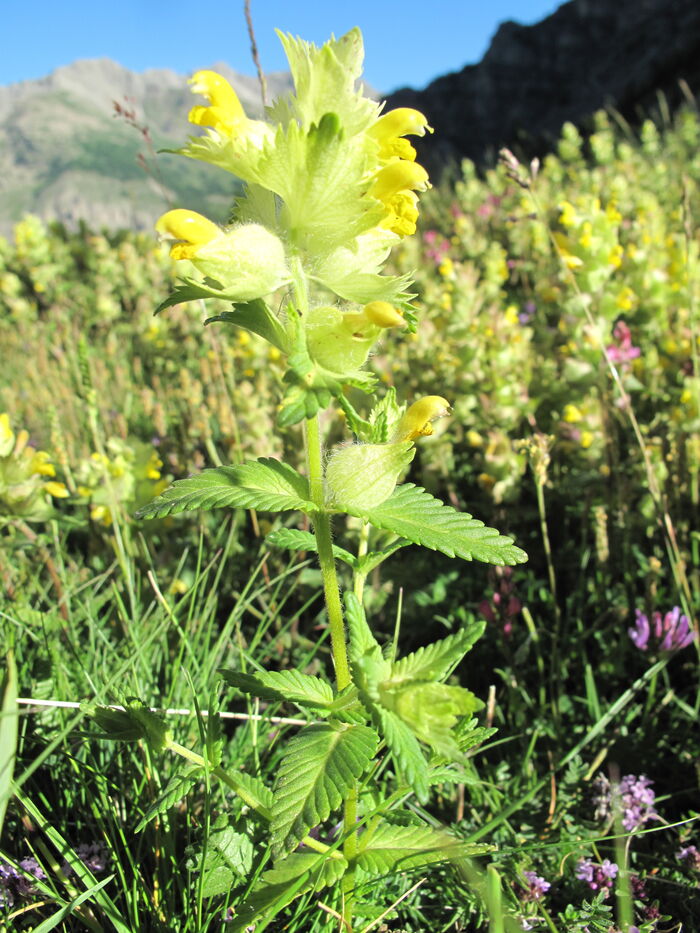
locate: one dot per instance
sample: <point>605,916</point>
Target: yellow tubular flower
<point>225,113</point>
<point>383,314</point>
<point>390,127</point>
<point>190,230</point>
<point>416,422</point>
<point>399,177</point>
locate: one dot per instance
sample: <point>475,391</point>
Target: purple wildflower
<point>597,877</point>
<point>536,886</point>
<point>636,801</point>
<point>671,632</point>
<point>15,883</point>
<point>528,312</point>
<point>691,857</point>
<point>503,606</point>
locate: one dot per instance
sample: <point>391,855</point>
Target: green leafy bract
<point>435,661</point>
<point>406,703</point>
<point>319,767</point>
<point>265,484</point>
<point>414,514</point>
<point>302,689</point>
<point>391,848</point>
<point>405,748</point>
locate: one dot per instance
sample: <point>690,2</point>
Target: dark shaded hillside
<point>587,55</point>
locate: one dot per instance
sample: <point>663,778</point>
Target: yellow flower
<point>395,186</point>
<point>7,435</point>
<point>225,113</point>
<point>40,463</point>
<point>568,214</point>
<point>190,230</point>
<point>416,422</point>
<point>511,315</point>
<point>57,490</point>
<point>383,314</point>
<point>391,126</point>
<point>246,259</point>
<point>572,414</point>
<point>398,177</point>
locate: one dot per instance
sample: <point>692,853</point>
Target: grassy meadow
<point>559,312</point>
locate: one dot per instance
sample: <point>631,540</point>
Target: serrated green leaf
<point>9,718</point>
<point>397,848</point>
<point>229,857</point>
<point>414,514</point>
<point>302,689</point>
<point>265,484</point>
<point>469,734</point>
<point>181,294</point>
<point>278,887</point>
<point>362,641</point>
<point>294,540</point>
<point>347,707</point>
<point>320,765</point>
<point>258,795</point>
<point>435,661</point>
<point>372,559</point>
<point>255,316</point>
<point>405,748</point>
<point>176,788</point>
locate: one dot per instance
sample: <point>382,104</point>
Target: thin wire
<point>65,704</point>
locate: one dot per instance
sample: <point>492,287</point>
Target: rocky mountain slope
<point>64,155</point>
<point>587,55</point>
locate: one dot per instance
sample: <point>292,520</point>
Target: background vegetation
<point>559,313</point>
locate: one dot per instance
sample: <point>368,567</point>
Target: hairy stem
<point>322,529</point>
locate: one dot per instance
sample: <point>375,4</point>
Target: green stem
<point>322,528</point>
<point>358,583</point>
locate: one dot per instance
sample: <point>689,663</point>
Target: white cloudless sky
<point>407,42</point>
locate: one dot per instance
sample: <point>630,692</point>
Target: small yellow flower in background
<point>446,267</point>
<point>474,439</point>
<point>568,215</point>
<point>57,490</point>
<point>511,315</point>
<point>101,514</point>
<point>616,255</point>
<point>564,249</point>
<point>7,435</point>
<point>586,238</point>
<point>416,421</point>
<point>41,464</point>
<point>586,439</point>
<point>572,414</point>
<point>626,299</point>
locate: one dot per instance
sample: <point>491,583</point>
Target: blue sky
<point>406,41</point>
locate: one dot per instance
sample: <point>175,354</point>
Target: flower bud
<point>364,475</point>
<point>248,261</point>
